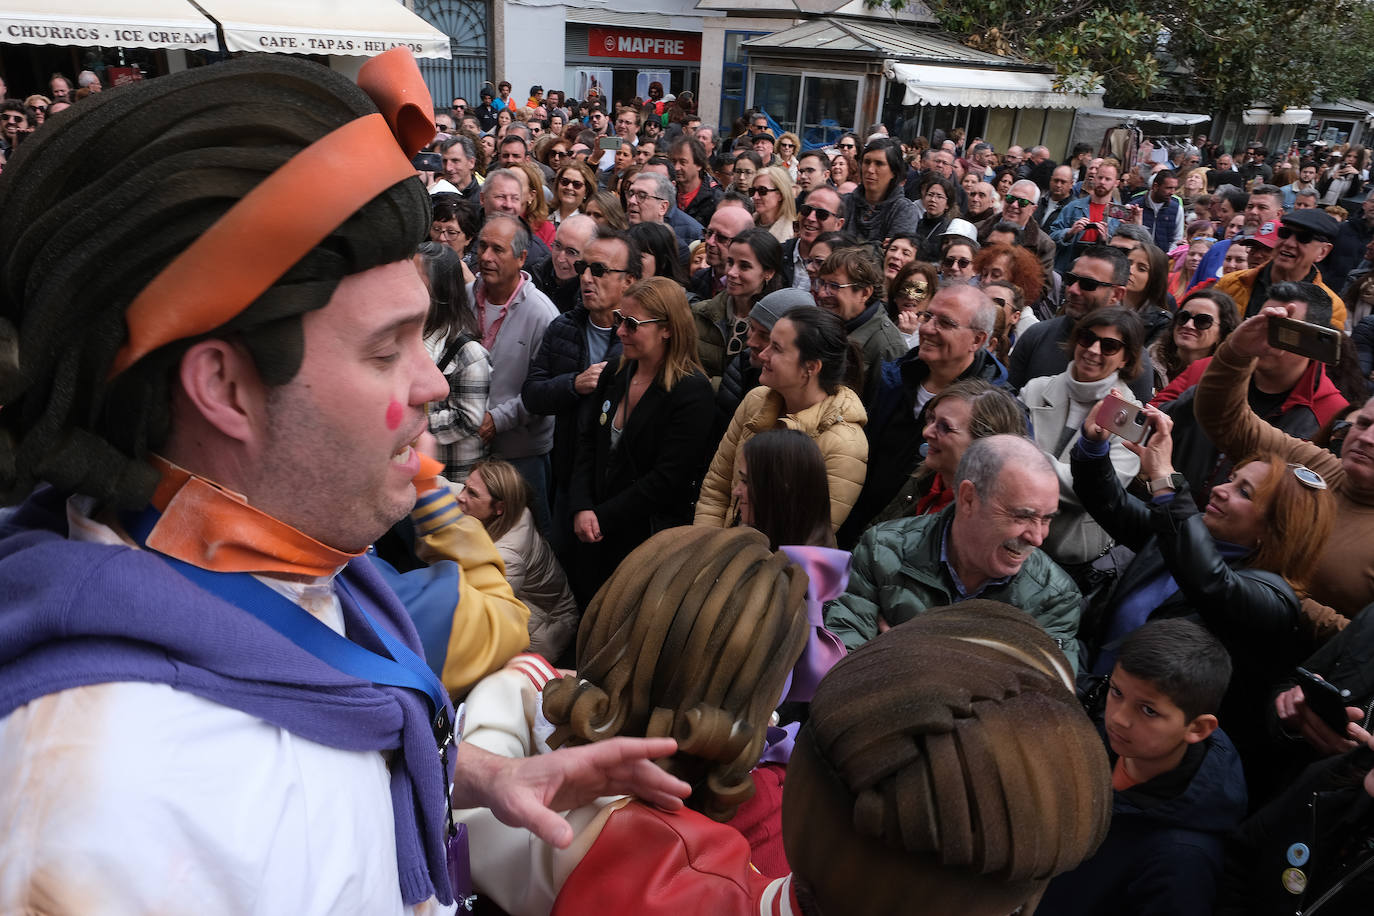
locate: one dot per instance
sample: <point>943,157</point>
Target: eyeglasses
<point>786,144</point>
<point>720,237</point>
<point>39,108</point>
<point>943,322</point>
<point>459,108</point>
<point>15,119</point>
<point>1019,201</point>
<point>1201,321</point>
<point>821,214</point>
<point>826,287</point>
<point>1308,477</point>
<point>848,146</point>
<point>960,263</point>
<point>942,428</point>
<point>756,192</point>
<point>1108,346</point>
<point>738,332</point>
<point>632,324</point>
<point>598,269</point>
<point>445,233</point>
<point>812,263</point>
<point>559,248</point>
<point>569,183</point>
<point>641,196</point>
<point>1001,303</point>
<point>1302,235</point>
<point>558,153</point>
<point>1087,284</point>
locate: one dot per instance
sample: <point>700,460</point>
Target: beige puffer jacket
<point>538,580</point>
<point>836,424</point>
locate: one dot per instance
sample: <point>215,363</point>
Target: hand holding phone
<point>1326,700</point>
<point>1315,341</point>
<point>1120,417</point>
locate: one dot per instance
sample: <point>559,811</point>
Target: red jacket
<point>1314,391</point>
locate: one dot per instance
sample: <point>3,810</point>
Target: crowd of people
<point>1073,459</point>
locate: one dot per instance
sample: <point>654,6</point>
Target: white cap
<point>962,228</point>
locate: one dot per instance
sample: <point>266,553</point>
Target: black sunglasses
<point>821,214</point>
<point>961,263</point>
<point>1302,235</point>
<point>1109,346</point>
<point>598,269</point>
<point>1200,321</point>
<point>632,324</point>
<point>1087,284</point>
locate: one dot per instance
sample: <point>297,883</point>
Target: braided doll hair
<point>692,637</point>
<point>948,756</point>
<point>96,205</point>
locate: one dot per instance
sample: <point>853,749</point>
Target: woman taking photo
<point>642,435</point>
<point>908,295</point>
<point>775,204</point>
<point>805,365</point>
<point>496,495</point>
<point>967,410</point>
<point>941,206</point>
<point>1202,322</point>
<point>1107,344</point>
<point>573,183</point>
<point>1238,567</point>
<point>880,209</point>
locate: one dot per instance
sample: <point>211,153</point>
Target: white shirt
<point>139,798</point>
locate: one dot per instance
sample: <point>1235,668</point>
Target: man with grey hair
<point>983,545</point>
<point>648,198</point>
<point>982,205</point>
<point>958,322</point>
<point>1304,199</point>
<point>557,278</point>
<point>1017,208</point>
<point>512,315</point>
<point>504,192</point>
<point>460,163</point>
<point>87,80</point>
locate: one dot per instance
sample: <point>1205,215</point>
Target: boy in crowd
<point>1178,787</point>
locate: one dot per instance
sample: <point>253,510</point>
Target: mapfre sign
<point>637,43</point>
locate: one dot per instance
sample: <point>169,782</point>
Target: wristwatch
<point>1174,481</point>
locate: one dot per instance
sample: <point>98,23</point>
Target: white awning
<point>361,28</point>
<point>1287,116</point>
<point>1175,118</point>
<point>983,88</point>
<point>86,23</point>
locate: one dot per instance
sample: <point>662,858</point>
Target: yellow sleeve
<point>490,625</point>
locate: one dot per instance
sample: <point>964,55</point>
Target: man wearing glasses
<point>730,219</point>
<point>955,326</point>
<point>1017,208</point>
<point>820,213</point>
<point>1097,280</point>
<point>1305,237</point>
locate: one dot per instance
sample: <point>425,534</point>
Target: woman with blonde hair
<point>643,434</point>
<point>536,210</point>
<point>497,496</point>
<point>775,204</point>
<point>789,148</point>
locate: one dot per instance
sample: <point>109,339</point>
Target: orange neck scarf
<point>209,526</point>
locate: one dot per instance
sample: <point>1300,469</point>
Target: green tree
<point>1222,53</point>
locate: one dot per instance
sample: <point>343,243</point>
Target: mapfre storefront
<point>622,60</point>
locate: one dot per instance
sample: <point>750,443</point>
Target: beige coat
<point>836,425</point>
<point>538,580</point>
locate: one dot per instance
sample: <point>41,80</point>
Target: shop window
<point>831,104</point>
<point>778,95</point>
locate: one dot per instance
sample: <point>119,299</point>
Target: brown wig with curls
<point>947,758</point>
<point>1298,520</point>
<point>1025,271</point>
<point>155,165</point>
<point>693,638</point>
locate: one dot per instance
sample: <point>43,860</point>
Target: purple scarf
<point>57,632</point>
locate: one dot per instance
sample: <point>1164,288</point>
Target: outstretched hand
<point>1252,337</point>
<point>530,791</point>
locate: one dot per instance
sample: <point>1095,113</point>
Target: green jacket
<point>896,574</point>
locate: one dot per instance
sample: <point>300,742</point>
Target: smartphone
<point>609,143</point>
<point>1315,341</point>
<point>1119,416</point>
<point>1326,700</point>
<point>428,162</point>
<point>1118,211</point>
